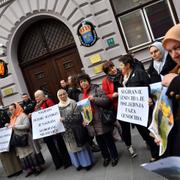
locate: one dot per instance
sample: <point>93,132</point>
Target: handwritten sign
<point>133,105</point>
<point>5,136</point>
<point>46,122</point>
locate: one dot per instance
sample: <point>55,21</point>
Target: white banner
<point>133,105</point>
<point>5,136</point>
<point>46,122</point>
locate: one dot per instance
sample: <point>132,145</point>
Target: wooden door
<point>46,73</point>
<point>68,63</point>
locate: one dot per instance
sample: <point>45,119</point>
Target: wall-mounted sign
<point>95,58</point>
<point>3,69</point>
<point>8,91</point>
<point>87,33</point>
<point>110,42</point>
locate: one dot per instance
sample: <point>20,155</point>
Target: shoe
<point>152,160</point>
<point>106,162</point>
<point>58,167</point>
<point>88,167</point>
<point>79,168</point>
<point>38,171</point>
<point>114,162</point>
<point>132,152</point>
<point>29,173</point>
<point>67,165</point>
<point>95,147</point>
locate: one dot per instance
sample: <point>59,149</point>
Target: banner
<point>133,105</point>
<point>85,108</point>
<point>46,122</point>
<point>162,120</point>
<point>5,136</point>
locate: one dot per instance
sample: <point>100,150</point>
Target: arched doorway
<point>47,53</point>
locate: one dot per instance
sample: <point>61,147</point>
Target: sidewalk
<point>127,168</point>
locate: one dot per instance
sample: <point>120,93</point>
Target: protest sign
<point>162,120</point>
<point>133,105</point>
<point>5,136</point>
<point>85,109</point>
<point>46,122</point>
<point>168,167</point>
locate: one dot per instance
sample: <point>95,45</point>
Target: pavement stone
<point>127,168</point>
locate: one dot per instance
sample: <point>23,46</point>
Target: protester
<point>171,43</point>
<point>102,132</point>
<point>161,62</point>
<point>110,85</point>
<point>136,77</point>
<point>73,91</point>
<point>28,104</point>
<point>81,156</point>
<point>21,126</point>
<point>8,159</point>
<point>55,143</point>
<point>64,85</point>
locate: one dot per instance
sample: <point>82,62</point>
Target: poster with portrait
<point>162,120</point>
<point>85,109</point>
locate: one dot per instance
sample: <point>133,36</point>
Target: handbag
<point>108,116</point>
<point>79,131</point>
<point>19,140</point>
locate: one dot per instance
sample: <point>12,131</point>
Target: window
<point>143,21</point>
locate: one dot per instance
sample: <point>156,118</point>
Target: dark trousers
<point>58,150</point>
<point>107,146</point>
<point>144,132</point>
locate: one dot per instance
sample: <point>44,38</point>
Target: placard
<point>46,122</point>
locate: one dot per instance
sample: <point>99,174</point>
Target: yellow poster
<point>95,58</point>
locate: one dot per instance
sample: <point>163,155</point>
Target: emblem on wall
<point>3,69</point>
<point>87,33</point>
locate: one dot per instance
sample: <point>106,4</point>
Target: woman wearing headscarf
<point>102,132</point>
<point>161,62</point>
<point>8,159</point>
<point>171,43</point>
<point>21,126</point>
<point>81,156</point>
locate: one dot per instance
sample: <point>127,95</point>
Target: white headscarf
<point>158,64</point>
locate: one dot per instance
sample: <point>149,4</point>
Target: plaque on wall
<point>3,69</point>
<point>87,34</point>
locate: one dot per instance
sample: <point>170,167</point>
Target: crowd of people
<point>76,145</point>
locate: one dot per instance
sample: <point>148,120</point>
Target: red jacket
<point>47,103</point>
<point>108,87</point>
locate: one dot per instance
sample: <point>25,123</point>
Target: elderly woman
<point>161,62</point>
<point>20,123</point>
<point>171,43</point>
<point>80,154</point>
<point>8,159</point>
<point>136,77</point>
<point>102,132</point>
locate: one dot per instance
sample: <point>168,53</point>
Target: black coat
<point>173,147</point>
<point>168,66</point>
<point>28,106</point>
<point>4,118</point>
